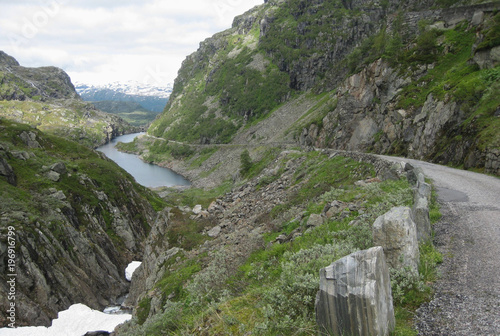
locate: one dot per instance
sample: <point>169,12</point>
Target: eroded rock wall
<point>74,235</point>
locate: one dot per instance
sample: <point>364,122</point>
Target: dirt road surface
<point>467,298</point>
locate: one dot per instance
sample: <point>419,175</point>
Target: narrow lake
<point>147,174</point>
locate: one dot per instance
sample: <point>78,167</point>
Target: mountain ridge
<point>46,98</point>
<point>150,97</point>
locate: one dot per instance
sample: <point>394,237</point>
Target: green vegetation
<point>241,92</point>
<point>74,120</point>
<point>88,175</point>
<point>298,32</point>
<point>161,150</point>
<point>194,196</point>
<point>131,112</point>
<point>196,124</point>
<point>271,291</point>
<point>245,91</point>
<point>138,118</point>
<point>203,155</point>
<point>185,232</point>
<point>326,103</point>
<point>246,162</point>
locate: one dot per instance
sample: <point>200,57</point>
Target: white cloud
<point>106,41</point>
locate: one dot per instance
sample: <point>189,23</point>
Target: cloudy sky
<point>103,41</point>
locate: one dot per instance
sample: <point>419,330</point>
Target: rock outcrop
<point>78,218</point>
<point>46,99</point>
<point>368,115</point>
<point>42,84</point>
<point>6,171</point>
<point>396,232</point>
<point>355,297</point>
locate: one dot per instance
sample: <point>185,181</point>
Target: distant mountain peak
<point>7,60</point>
<point>152,98</point>
<point>132,88</point>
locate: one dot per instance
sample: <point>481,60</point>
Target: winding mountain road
<point>467,298</point>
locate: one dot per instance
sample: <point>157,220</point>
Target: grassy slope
<point>73,119</point>
<point>133,113</point>
<point>80,161</point>
<point>272,292</point>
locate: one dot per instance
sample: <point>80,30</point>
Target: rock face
<point>6,171</point>
<point>368,115</point>
<point>21,83</point>
<point>156,253</point>
<point>75,232</point>
<point>396,232</point>
<point>355,296</point>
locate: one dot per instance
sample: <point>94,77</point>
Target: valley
<point>138,104</point>
<point>296,130</point>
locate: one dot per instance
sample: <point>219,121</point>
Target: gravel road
<point>467,298</point>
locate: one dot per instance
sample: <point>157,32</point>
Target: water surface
<point>147,174</point>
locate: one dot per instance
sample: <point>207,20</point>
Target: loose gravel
<point>467,295</point>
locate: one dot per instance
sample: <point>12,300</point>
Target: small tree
<point>246,162</point>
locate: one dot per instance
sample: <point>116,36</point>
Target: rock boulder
<point>7,171</point>
<point>355,296</point>
<point>396,232</point>
<point>420,215</point>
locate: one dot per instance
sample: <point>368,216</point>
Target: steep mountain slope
<point>41,84</point>
<point>77,219</point>
<point>45,98</point>
<point>418,78</point>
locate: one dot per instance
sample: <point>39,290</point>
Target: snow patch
<point>76,321</point>
<point>131,269</point>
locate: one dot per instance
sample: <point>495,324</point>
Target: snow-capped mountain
<point>152,98</point>
<point>129,88</point>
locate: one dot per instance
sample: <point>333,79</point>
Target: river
<point>147,174</point>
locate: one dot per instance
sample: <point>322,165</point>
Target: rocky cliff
<point>77,219</point>
<point>444,109</point>
<point>45,98</point>
<point>417,79</point>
